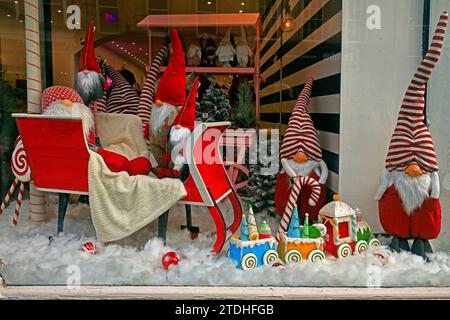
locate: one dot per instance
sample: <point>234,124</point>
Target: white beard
<point>159,116</point>
<point>177,141</point>
<point>88,85</point>
<point>76,110</point>
<point>412,190</point>
<point>303,169</point>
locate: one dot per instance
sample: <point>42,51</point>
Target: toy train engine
<point>347,233</point>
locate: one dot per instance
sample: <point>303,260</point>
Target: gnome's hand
<point>323,172</point>
<point>435,185</point>
<point>284,163</point>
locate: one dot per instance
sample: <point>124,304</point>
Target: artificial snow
<point>34,255</point>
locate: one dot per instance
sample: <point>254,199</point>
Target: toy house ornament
<point>249,254</point>
<point>346,232</point>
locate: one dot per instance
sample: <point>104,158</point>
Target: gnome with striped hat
<point>301,156</point>
<point>408,196</point>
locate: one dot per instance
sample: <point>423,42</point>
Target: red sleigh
<point>58,156</point>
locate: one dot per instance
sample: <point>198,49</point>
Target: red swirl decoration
<point>19,163</point>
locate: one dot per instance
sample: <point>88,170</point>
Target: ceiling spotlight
<point>240,11</point>
<point>16,2</point>
<point>209,2</point>
<point>287,23</point>
<point>134,43</point>
<point>59,10</point>
<point>8,15</point>
<point>242,3</point>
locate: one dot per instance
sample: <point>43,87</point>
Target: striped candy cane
<point>354,228</point>
<point>8,195</point>
<point>299,183</point>
<point>18,203</point>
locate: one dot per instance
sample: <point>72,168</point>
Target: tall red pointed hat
<point>172,85</point>
<point>186,116</point>
<point>88,61</point>
<point>411,142</point>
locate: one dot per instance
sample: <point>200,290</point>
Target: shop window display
<point>242,146</point>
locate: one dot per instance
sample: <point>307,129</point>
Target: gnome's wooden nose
<point>414,170</point>
<point>300,157</point>
<point>67,103</point>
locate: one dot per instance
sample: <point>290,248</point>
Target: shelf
<point>200,20</point>
<point>217,70</point>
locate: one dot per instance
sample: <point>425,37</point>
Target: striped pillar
<point>38,210</point>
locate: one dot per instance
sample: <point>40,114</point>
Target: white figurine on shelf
<point>243,51</point>
<point>225,52</point>
<point>194,55</point>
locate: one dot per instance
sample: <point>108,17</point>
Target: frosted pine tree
<point>244,112</point>
<point>214,106</point>
<point>261,186</point>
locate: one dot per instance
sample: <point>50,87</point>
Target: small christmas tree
<point>245,112</point>
<point>261,186</point>
<point>214,106</point>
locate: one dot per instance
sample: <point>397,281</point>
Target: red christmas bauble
<point>170,258</point>
<point>89,247</point>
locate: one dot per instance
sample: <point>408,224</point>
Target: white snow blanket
<point>122,204</point>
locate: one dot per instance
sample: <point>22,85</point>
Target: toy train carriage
<point>251,254</point>
<point>347,233</point>
<point>298,249</point>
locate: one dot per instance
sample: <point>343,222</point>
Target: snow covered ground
<point>34,255</point>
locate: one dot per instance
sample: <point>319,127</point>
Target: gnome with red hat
<point>59,100</point>
<point>408,196</point>
<point>90,81</point>
<point>169,100</point>
<point>301,156</point>
<point>182,127</point>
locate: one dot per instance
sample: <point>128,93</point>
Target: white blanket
<point>122,204</point>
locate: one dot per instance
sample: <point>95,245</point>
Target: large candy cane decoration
<point>18,203</point>
<point>22,171</point>
<point>33,56</point>
<point>299,183</point>
<point>34,89</point>
<point>8,195</point>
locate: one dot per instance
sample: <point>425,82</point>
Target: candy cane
<point>33,56</point>
<point>18,203</point>
<point>34,89</point>
<point>299,183</point>
<point>8,195</point>
<point>19,162</point>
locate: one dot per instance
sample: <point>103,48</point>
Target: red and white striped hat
<point>412,141</point>
<point>301,134</point>
<point>56,93</point>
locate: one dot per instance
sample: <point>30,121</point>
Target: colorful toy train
<point>340,232</point>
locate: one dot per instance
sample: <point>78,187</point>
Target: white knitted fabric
<point>121,204</point>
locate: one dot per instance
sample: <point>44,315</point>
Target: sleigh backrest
<point>57,152</point>
<point>208,180</point>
